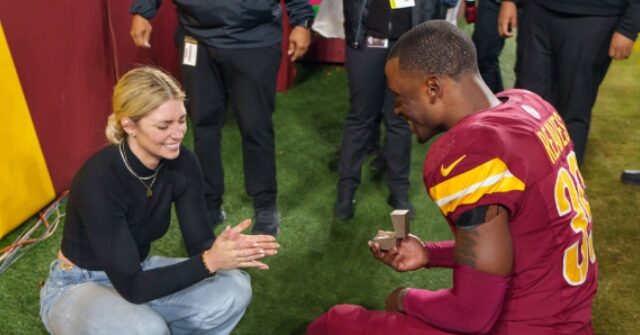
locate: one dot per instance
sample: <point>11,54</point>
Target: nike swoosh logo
<point>446,170</point>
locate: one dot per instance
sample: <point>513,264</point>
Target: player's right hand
<point>408,255</point>
<point>140,31</point>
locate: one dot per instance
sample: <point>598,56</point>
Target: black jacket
<point>627,10</point>
<point>355,14</point>
<point>231,23</point>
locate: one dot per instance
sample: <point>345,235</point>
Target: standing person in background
<point>371,29</point>
<point>378,164</point>
<point>119,203</point>
<point>230,51</point>
<point>488,42</point>
<point>505,178</point>
<point>566,51</point>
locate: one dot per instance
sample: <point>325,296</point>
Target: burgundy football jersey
<point>519,155</point>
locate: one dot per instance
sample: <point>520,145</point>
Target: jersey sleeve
<point>472,170</point>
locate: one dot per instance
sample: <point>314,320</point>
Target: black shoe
<point>631,177</point>
<point>217,216</point>
<point>402,202</point>
<point>345,206</point>
<point>266,221</point>
<point>378,166</point>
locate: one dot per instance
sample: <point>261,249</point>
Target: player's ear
<point>433,87</point>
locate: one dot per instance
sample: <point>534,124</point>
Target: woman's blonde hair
<point>138,92</point>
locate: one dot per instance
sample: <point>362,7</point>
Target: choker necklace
<point>141,179</point>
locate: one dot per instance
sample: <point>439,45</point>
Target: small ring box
<point>388,239</point>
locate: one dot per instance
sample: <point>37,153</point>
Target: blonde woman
<point>103,281</point>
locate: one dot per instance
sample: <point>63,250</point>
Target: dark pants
<point>489,44</point>
<point>246,78</point>
<point>370,98</point>
<point>564,59</point>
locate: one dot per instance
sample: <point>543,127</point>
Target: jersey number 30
<point>570,200</point>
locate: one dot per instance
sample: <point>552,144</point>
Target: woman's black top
<point>110,222</point>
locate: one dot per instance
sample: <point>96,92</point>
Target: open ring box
<point>388,239</point>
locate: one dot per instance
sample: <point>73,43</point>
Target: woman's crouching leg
<point>212,306</point>
<point>92,308</point>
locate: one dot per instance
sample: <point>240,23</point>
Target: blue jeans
<point>78,301</point>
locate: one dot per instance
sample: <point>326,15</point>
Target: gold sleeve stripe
<point>466,189</point>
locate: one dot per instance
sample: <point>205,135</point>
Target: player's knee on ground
<point>336,320</point>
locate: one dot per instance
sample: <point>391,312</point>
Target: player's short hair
<point>435,47</point>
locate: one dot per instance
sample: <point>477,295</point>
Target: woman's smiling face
<point>158,134</point>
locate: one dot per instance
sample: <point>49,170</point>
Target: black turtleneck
<point>110,222</point>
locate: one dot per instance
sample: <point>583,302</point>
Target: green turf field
<point>323,262</point>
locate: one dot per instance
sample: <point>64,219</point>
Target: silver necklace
<point>141,179</point>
